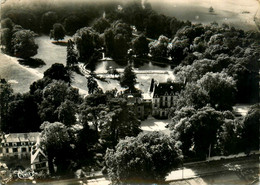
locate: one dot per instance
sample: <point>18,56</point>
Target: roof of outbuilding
<point>38,151</point>
<point>21,137</point>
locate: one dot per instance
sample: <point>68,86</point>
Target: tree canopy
<point>87,41</point>
<point>48,19</point>
<point>23,44</point>
<point>146,158</point>
<point>55,139</point>
<point>128,79</point>
<point>58,32</point>
<point>197,130</point>
<point>6,93</point>
<point>58,72</point>
<point>140,46</point>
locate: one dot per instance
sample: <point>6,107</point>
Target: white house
<point>18,144</point>
<point>162,97</point>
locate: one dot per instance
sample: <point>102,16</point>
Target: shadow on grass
<point>32,62</point>
<point>60,43</point>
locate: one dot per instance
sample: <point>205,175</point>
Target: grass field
<point>238,13</point>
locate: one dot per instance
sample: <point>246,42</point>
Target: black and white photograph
<point>129,92</point>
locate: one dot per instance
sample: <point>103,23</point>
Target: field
<point>238,13</point>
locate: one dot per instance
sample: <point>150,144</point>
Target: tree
<point>197,130</point>
<point>93,60</point>
<point>100,25</point>
<point>58,72</point>
<point>47,21</point>
<point>6,93</point>
<point>229,137</point>
<point>178,49</point>
<point>6,37</point>
<point>67,112</point>
<point>72,23</point>
<point>87,42</point>
<point>93,109</point>
<point>118,123</point>
<point>85,146</point>
<point>158,48</point>
<point>195,71</point>
<point>128,79</point>
<point>55,139</point>
<point>191,31</point>
<point>133,13</point>
<point>246,77</point>
<point>23,44</point>
<point>221,89</point>
<point>175,25</point>
<point>192,96</point>
<point>7,23</point>
<point>71,54</point>
<point>250,130</point>
<point>6,34</point>
<point>92,85</point>
<point>54,95</point>
<point>117,40</point>
<point>122,28</point>
<point>156,25</point>
<point>25,18</point>
<point>146,158</point>
<point>109,42</point>
<point>120,47</point>
<point>140,46</point>
<point>57,32</point>
<point>22,114</point>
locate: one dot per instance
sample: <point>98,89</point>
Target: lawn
<point>151,124</point>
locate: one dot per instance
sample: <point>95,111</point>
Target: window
<point>6,150</point>
<point>14,149</point>
<point>23,149</point>
<point>165,98</point>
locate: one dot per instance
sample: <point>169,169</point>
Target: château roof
<point>163,89</point>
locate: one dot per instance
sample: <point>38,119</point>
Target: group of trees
<point>214,63</point>
<point>204,129</point>
<point>16,40</point>
<point>40,17</point>
<point>49,99</point>
<point>68,122</point>
<point>146,158</point>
